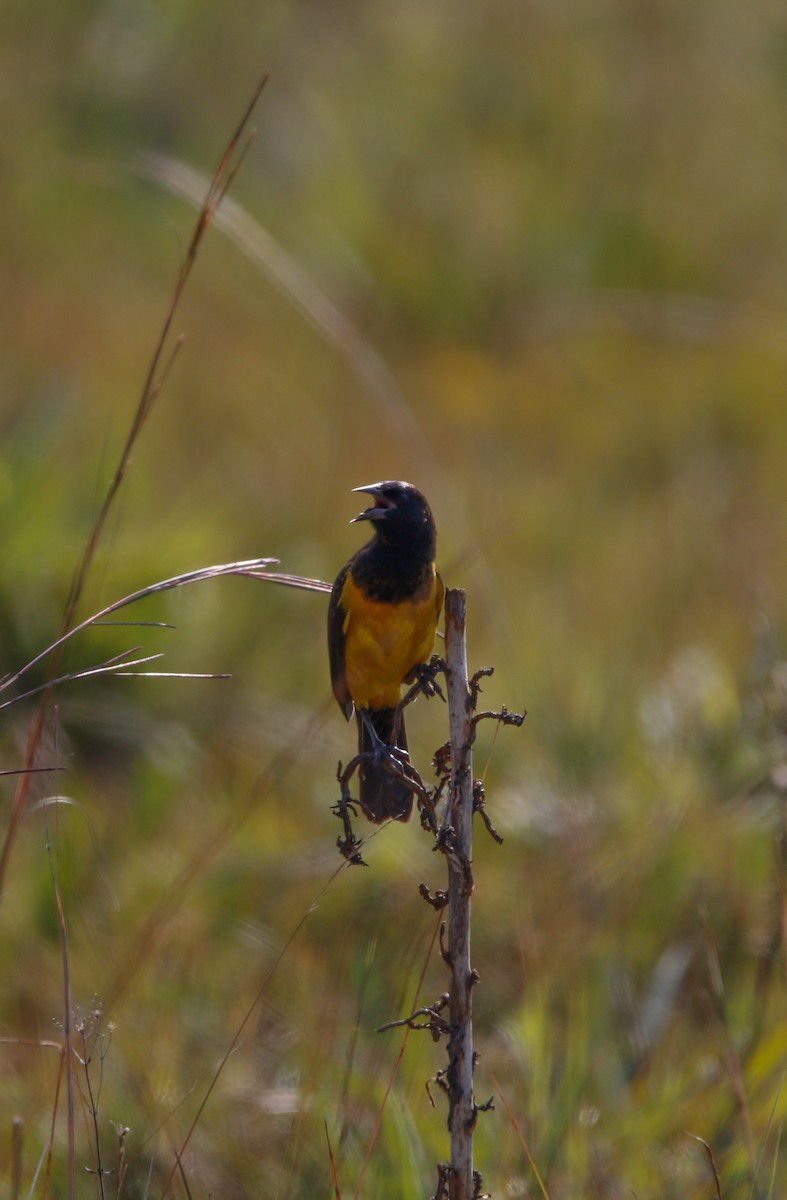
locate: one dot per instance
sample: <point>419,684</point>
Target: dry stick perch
<point>458,1180</point>
<point>459,852</point>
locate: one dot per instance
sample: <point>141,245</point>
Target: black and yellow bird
<point>382,620</point>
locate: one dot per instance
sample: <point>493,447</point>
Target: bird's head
<point>399,513</point>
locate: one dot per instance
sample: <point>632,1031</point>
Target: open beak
<point>376,511</point>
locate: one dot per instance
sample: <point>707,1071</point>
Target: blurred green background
<point>561,227</point>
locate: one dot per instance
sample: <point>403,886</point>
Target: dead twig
<point>479,806</point>
<point>437,1025</point>
<point>437,899</point>
<point>503,716</point>
<point>444,1173</point>
<point>349,846</point>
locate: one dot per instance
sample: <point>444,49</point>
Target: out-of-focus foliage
<point>562,226</point>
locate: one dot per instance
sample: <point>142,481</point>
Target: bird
<point>382,622</point>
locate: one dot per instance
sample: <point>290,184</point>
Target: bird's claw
<point>424,677</point>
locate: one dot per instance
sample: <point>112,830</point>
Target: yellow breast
<point>383,642</point>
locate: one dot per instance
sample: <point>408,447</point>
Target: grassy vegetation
<point>562,229</point>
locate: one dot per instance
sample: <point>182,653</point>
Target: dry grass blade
<point>67,1012</point>
<point>379,1118</point>
<point>120,670</point>
<point>244,1022</point>
<point>294,581</point>
<point>709,1153</point>
<point>120,664</point>
<point>31,770</point>
<point>152,385</point>
<point>771,1119</point>
<point>774,1168</point>
<point>37,1043</point>
<point>215,193</point>
<point>253,566</point>
<point>521,1136</point>
<point>106,668</point>
<point>17,1138</point>
<point>319,310</point>
<point>334,1177</point>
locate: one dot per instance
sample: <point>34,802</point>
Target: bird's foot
<point>424,680</point>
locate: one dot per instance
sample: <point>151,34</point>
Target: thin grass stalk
<point>775,1164</point>
<point>222,178</point>
<point>709,1154</point>
<point>239,1030</point>
<point>217,187</point>
<point>48,1155</point>
<point>461,1113</point>
<point>520,1135</point>
<point>67,1015</point>
<point>332,1161</point>
<point>93,1096</point>
<point>17,1141</point>
<point>293,282</point>
<point>408,1027</point>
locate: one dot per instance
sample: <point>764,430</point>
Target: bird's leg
<point>396,760</point>
<point>380,749</point>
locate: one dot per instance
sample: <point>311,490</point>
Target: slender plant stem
<point>17,1141</point>
<point>158,369</point>
<point>461,1115</point>
<point>67,1016</point>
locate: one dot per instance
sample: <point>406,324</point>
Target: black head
<point>400,513</point>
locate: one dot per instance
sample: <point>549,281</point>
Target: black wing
<point>336,618</point>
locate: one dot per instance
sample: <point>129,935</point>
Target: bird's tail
<point>382,795</point>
